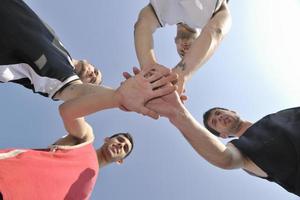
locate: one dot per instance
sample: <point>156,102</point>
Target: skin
<point>205,143</point>
<point>87,72</point>
<point>132,94</point>
<point>226,122</point>
<point>113,149</point>
<point>194,52</point>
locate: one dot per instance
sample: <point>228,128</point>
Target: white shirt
<point>194,13</point>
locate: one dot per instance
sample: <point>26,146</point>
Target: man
<point>212,17</point>
<point>32,55</point>
<point>67,170</point>
<point>268,149</point>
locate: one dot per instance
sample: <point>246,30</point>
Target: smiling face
<point>226,122</point>
<point>116,148</point>
<point>87,72</point>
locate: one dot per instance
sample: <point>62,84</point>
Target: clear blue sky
<point>255,71</point>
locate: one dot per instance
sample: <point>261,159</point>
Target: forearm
<point>201,50</point>
<point>203,142</point>
<point>73,111</point>
<point>206,43</point>
<point>77,128</point>
<point>93,99</point>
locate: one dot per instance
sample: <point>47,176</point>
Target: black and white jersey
<point>30,53</point>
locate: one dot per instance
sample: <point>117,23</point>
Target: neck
<point>102,161</point>
<point>244,125</point>
<point>185,27</point>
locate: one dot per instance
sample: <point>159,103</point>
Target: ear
<point>106,139</point>
<point>119,162</point>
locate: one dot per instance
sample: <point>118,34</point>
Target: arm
<point>204,143</point>
<point>205,45</point>
<point>132,94</point>
<point>144,28</point>
<point>72,111</point>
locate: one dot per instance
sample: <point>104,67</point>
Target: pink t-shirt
<point>68,174</point>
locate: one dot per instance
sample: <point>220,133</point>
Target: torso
<point>69,170</point>
<point>194,13</point>
<point>245,163</point>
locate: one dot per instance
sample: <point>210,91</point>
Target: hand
<point>180,81</point>
<point>136,70</point>
<point>167,105</point>
<point>160,69</point>
<point>144,86</point>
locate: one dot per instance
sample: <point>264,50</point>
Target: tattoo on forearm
<point>180,66</point>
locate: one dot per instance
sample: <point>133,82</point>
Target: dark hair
<point>206,115</point>
<point>129,137</point>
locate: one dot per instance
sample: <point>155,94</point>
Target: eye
<point>126,148</point>
<point>96,72</point>
<point>120,139</point>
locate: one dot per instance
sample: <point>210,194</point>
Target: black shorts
<point>31,54</point>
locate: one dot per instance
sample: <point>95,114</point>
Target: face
<point>116,148</point>
<point>226,122</point>
<point>184,39</point>
<point>87,72</point>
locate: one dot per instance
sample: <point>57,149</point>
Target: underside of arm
<point>145,26</point>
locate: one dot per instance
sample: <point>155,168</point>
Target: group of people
<point>33,56</point>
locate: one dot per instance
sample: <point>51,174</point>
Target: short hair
<point>206,115</point>
<point>129,137</point>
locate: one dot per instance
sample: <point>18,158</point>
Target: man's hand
<point>144,86</point>
<point>167,105</point>
<point>180,81</point>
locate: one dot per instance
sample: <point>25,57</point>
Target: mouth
<point>114,149</point>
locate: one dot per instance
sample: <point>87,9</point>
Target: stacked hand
<point>179,82</point>
<point>137,90</point>
<point>163,104</point>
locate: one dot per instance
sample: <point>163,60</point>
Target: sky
<point>255,71</point>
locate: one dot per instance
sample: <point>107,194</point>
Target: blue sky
<point>255,71</point>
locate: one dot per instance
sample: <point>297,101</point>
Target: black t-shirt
<point>273,144</point>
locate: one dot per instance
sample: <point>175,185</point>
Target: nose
<point>220,117</point>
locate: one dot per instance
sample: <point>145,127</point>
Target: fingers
<point>164,80</point>
<point>154,76</point>
<point>163,70</point>
<point>165,90</point>
<point>183,98</point>
<point>136,70</point>
<point>126,75</point>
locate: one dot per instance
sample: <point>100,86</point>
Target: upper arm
<point>220,23</point>
<point>76,126</point>
<point>236,158</point>
<point>68,92</point>
<point>147,19</point>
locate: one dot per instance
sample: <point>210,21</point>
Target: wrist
<point>178,115</point>
<point>117,98</point>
